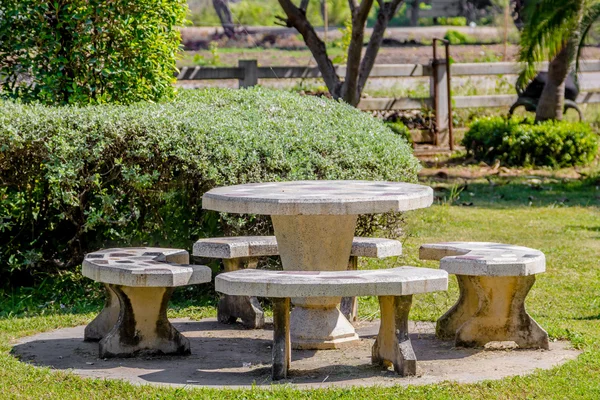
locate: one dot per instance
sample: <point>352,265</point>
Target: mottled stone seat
<point>242,252</point>
<point>139,282</point>
<point>394,287</point>
<point>494,280</point>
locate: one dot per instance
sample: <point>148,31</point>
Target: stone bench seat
<point>494,280</point>
<point>262,246</point>
<point>242,252</point>
<point>394,287</point>
<point>139,282</point>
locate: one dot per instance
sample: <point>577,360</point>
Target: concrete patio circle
<point>231,356</point>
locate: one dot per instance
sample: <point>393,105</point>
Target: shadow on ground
<point>228,355</point>
<point>509,192</point>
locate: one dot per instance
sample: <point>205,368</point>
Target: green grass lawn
<point>560,218</point>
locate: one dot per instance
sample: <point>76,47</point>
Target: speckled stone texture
<point>318,198</point>
<point>494,280</point>
<point>236,247</point>
<point>398,281</point>
<point>394,287</point>
<point>314,223</point>
<point>485,258</point>
<point>144,267</point>
<point>263,246</point>
<point>243,251</point>
<point>139,284</point>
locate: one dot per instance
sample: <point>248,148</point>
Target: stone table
<point>314,222</point>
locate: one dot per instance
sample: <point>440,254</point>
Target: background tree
<point>555,30</point>
<point>224,13</point>
<point>358,65</point>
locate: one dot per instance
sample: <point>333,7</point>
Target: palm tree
<point>554,30</point>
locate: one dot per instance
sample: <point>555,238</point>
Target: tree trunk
<point>518,7</point>
<point>414,13</point>
<point>384,15</point>
<point>552,100</point>
<point>224,14</point>
<point>296,18</point>
<point>358,67</point>
<point>360,13</point>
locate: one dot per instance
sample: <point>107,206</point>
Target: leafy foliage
<point>590,16</point>
<point>400,129</point>
<point>74,179</point>
<point>343,42</point>
<point>551,24</point>
<point>551,143</point>
<point>456,37</point>
<point>452,21</point>
<point>88,51</point>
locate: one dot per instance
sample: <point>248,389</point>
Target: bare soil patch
<point>283,46</point>
<point>441,168</point>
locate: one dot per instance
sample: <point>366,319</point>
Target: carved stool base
<point>106,320</point>
<point>492,309</point>
<point>142,326</point>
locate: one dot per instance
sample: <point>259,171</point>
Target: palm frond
<point>590,16</point>
<point>550,24</point>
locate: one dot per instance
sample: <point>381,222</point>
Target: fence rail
<point>378,71</point>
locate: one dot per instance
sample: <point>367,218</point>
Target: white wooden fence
<point>248,73</point>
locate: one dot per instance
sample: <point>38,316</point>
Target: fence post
<point>250,73</point>
<point>439,93</point>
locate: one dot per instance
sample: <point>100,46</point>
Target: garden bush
<point>75,179</point>
<point>452,21</point>
<point>524,143</point>
<point>456,37</point>
<point>400,129</point>
<point>89,51</point>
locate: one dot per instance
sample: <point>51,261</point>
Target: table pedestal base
<point>320,329</point>
<point>313,243</point>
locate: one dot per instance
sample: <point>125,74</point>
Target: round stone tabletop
<point>318,198</point>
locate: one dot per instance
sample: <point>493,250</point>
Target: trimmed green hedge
<point>75,179</point>
<point>524,143</point>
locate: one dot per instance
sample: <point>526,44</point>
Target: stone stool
<point>242,252</point>
<point>139,282</point>
<point>494,280</point>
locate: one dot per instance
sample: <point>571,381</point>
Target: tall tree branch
<point>224,14</point>
<point>297,19</point>
<point>304,6</point>
<point>350,92</point>
<point>386,12</point>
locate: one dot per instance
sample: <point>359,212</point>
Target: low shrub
<point>74,179</point>
<point>456,37</point>
<point>452,21</point>
<point>524,143</point>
